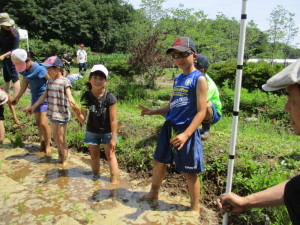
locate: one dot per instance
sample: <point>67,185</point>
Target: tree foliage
<point>100,24</point>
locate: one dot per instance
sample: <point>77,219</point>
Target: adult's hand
<point>232,203</point>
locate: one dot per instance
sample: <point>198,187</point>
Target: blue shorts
<point>58,121</point>
<point>97,139</point>
<point>216,116</point>
<point>42,107</point>
<point>189,159</point>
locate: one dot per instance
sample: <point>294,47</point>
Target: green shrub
<point>268,105</point>
<point>52,47</point>
<point>254,75</point>
<point>116,63</point>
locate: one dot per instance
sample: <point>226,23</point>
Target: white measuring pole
<point>236,107</point>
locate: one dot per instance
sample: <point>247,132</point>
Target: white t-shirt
<point>81,55</point>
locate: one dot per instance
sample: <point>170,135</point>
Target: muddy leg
<point>194,189</point>
<point>44,131</point>
<point>95,159</point>
<point>159,171</point>
<point>113,163</point>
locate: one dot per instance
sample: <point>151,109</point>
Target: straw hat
<point>5,20</point>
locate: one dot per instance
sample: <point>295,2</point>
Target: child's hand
<point>17,121</point>
<point>179,140</point>
<point>145,110</point>
<point>112,145</point>
<point>29,110</point>
<point>15,101</point>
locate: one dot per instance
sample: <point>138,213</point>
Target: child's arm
<point>24,86</point>
<point>201,92</point>
<point>80,114</point>
<point>38,102</point>
<point>114,125</point>
<point>13,112</point>
<point>160,111</point>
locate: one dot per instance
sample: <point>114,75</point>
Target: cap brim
<point>266,87</point>
<point>20,67</point>
<point>46,65</point>
<point>92,71</point>
<point>179,48</point>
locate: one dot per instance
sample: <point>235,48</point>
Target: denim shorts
<point>58,121</point>
<point>97,139</point>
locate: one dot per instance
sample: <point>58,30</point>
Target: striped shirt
<point>58,104</point>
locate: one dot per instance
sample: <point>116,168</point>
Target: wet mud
<point>35,189</point>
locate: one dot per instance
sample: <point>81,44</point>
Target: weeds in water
<point>17,140</point>
<point>59,195</point>
<point>21,207</point>
<point>43,217</point>
<point>38,190</point>
<point>88,217</point>
<point>6,196</point>
<point>75,208</point>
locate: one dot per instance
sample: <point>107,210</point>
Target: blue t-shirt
<point>183,105</point>
<point>35,78</point>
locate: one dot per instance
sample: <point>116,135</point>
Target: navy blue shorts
<point>9,71</point>
<point>189,159</point>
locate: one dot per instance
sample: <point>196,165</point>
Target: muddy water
<point>35,189</point>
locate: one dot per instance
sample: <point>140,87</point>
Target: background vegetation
<point>111,26</point>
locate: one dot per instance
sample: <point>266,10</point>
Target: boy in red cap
<point>179,140</point>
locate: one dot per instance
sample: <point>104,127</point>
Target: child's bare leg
<point>44,131</point>
<point>95,159</point>
<point>2,132</point>
<point>158,174</point>
<point>62,143</point>
<point>16,88</point>
<point>54,128</point>
<point>113,163</point>
<point>194,189</point>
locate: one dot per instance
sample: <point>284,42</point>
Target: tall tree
<point>282,29</point>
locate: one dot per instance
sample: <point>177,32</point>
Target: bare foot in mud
<point>114,179</point>
<point>48,151</point>
<point>195,210</point>
<point>149,196</point>
<point>43,146</point>
<point>65,163</point>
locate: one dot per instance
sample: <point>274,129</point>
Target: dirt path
<point>34,189</point>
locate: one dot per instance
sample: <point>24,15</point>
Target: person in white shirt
<point>82,59</point>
